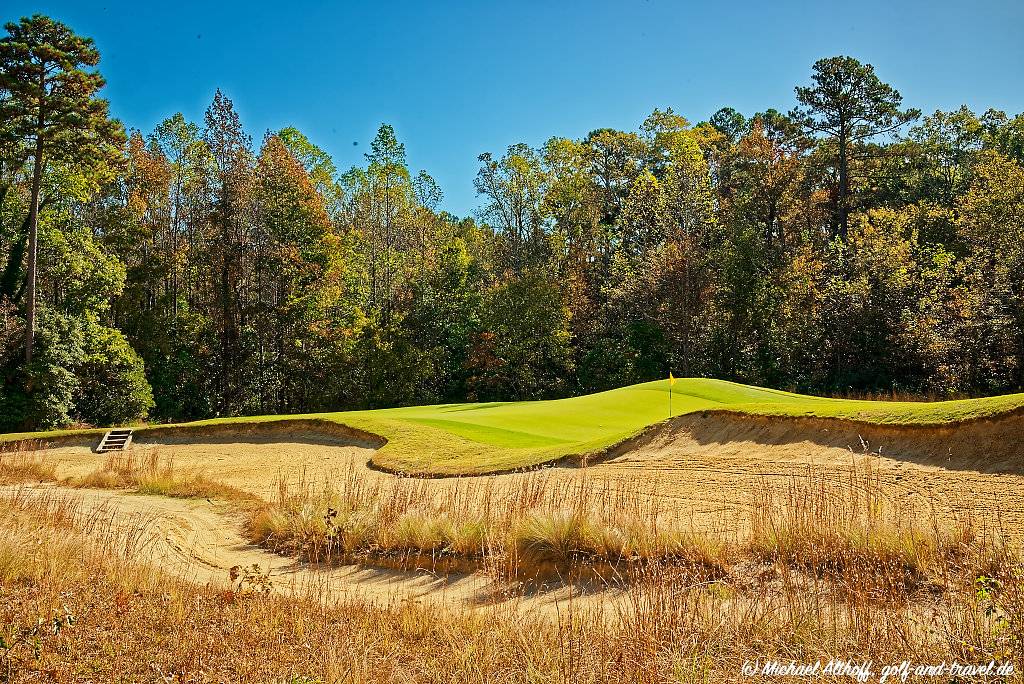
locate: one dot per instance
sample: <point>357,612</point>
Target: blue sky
<point>459,78</point>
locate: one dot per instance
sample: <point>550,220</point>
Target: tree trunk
<point>175,229</point>
<point>844,187</point>
<point>33,240</point>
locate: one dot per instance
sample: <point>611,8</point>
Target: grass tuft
<point>25,462</point>
<point>147,472</point>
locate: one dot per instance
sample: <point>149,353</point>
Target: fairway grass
<point>472,439</point>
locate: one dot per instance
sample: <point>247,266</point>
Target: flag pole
<point>671,382</point>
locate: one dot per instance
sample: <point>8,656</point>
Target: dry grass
<point>144,472</point>
<point>25,462</point>
<point>544,527</point>
<point>148,472</point>
<point>120,621</point>
<point>839,531</point>
<point>848,530</point>
<point>829,568</point>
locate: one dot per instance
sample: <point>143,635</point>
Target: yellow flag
<point>671,379</point>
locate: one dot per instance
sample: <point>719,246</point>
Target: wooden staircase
<point>115,440</point>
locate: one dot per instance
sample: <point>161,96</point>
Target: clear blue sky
<point>459,78</point>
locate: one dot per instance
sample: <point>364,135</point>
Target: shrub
<point>41,394</point>
<point>112,381</point>
<point>80,370</point>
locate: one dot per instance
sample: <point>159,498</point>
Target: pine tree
<point>49,103</point>
<point>851,105</point>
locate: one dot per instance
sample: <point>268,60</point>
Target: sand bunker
<point>703,468</point>
<point>711,462</point>
<point>253,459</point>
<point>200,541</point>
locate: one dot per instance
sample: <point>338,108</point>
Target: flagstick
<point>669,398</point>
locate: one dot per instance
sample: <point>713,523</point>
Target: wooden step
<point>115,440</point>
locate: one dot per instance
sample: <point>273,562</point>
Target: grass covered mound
<point>452,439</point>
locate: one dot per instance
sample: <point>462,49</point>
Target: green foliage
<point>82,371</point>
<point>444,314</point>
<point>50,114</point>
<point>112,385</point>
<point>180,365</point>
<point>44,64</point>
<point>42,394</point>
<point>85,277</point>
<point>850,106</point>
<point>848,99</point>
<point>524,347</point>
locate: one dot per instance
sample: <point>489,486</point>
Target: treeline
<point>847,245</point>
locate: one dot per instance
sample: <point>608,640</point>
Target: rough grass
<point>826,527</point>
<point>91,613</point>
<point>24,462</point>
<point>847,530</point>
<point>151,473</point>
<point>482,438</point>
<point>542,525</point>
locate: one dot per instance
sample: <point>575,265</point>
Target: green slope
<point>478,438</point>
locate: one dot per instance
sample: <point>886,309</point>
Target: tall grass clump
<point>851,529</point>
<point>543,527</point>
<point>148,472</point>
<point>25,462</point>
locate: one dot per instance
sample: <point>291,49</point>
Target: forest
<point>843,244</point>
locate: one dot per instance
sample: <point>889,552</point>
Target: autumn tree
<point>318,165</point>
<point>512,188</point>
<point>186,273</point>
<point>188,160</point>
<point>382,206</point>
<point>990,221</point>
<point>292,263</point>
<point>232,166</point>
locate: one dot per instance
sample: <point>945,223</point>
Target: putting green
<point>479,438</point>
